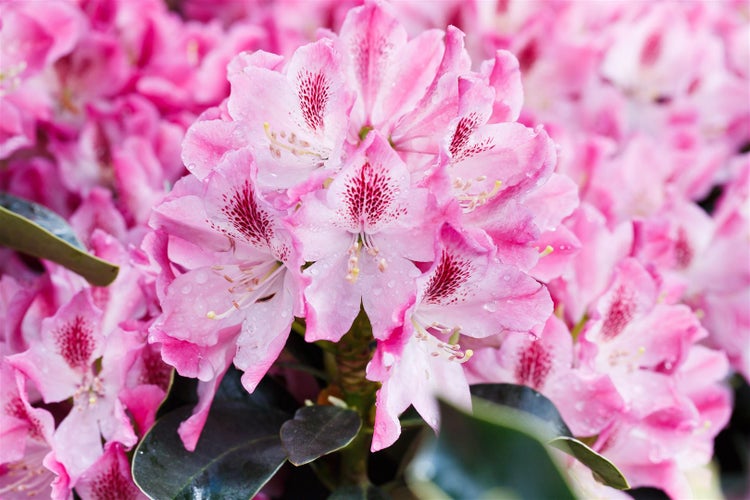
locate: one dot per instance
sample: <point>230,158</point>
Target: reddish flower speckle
<point>370,197</point>
<point>16,408</point>
<point>446,282</point>
<point>75,340</point>
<point>243,213</point>
<point>683,252</point>
<point>314,93</point>
<point>534,365</point>
<point>619,315</point>
<point>155,371</point>
<point>460,148</point>
<point>112,485</point>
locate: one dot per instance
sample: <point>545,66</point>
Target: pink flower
<point>109,476</point>
<point>546,361</point>
<point>241,286</point>
<point>295,120</point>
<point>466,293</point>
<point>363,234</point>
<point>70,342</point>
<point>22,427</point>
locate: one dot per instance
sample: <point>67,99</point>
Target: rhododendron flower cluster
<point>432,194</point>
<point>360,157</point>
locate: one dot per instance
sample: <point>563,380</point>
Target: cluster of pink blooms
<point>513,201</point>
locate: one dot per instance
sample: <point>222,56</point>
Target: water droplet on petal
<point>186,289</point>
<point>490,307</point>
<point>388,359</point>
<point>201,277</point>
<point>506,277</point>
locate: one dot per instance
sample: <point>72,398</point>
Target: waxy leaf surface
<point>318,430</point>
<point>485,455</point>
<point>37,231</point>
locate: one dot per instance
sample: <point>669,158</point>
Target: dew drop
<point>391,284</point>
<point>186,289</point>
<point>388,359</point>
<point>490,307</point>
<point>506,277</point>
<point>377,291</point>
<point>201,277</point>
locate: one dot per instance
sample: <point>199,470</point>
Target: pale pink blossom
<point>363,234</point>
<point>244,274</point>
<point>466,293</point>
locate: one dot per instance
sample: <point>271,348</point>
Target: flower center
<point>362,241</point>
<point>88,392</point>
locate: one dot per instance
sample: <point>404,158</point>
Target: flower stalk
<point>353,353</point>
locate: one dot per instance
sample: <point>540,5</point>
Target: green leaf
<point>493,453</point>
<point>604,470</point>
<point>268,394</point>
<point>238,452</point>
<point>527,400</point>
<point>555,430</point>
<point>35,230</point>
<point>318,430</point>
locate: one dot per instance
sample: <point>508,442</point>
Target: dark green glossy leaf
<point>527,400</point>
<point>493,453</point>
<point>269,393</point>
<point>604,470</point>
<point>238,452</point>
<point>318,430</point>
<point>37,231</point>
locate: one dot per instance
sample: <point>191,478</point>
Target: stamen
<point>193,54</point>
<point>470,201</point>
<point>288,142</point>
<point>547,250</point>
<point>352,265</point>
<point>28,477</point>
<point>249,287</point>
<point>88,392</point>
<point>373,251</point>
<point>10,80</point>
<point>450,350</point>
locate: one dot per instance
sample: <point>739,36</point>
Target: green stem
<point>353,352</point>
